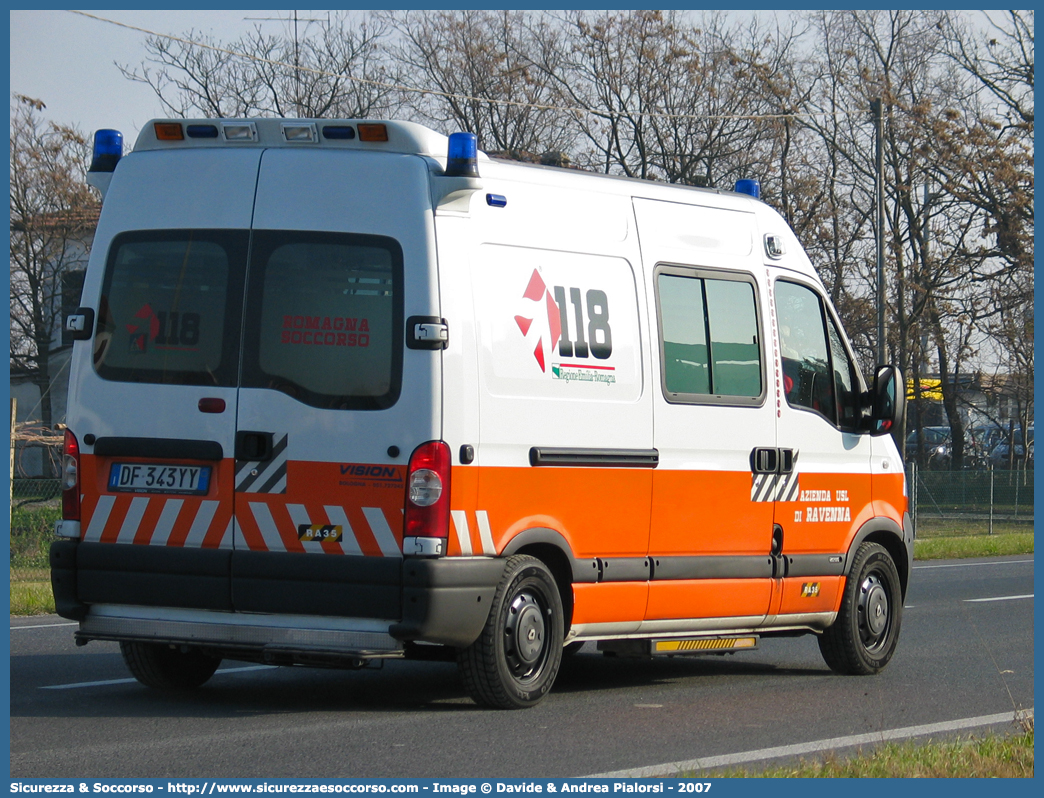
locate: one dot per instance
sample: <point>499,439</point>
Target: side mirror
<point>888,401</point>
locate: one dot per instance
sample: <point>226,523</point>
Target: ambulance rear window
<point>169,310</point>
<point>324,318</point>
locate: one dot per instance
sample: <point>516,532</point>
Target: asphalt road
<point>966,651</point>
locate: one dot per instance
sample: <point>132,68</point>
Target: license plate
<point>154,478</point>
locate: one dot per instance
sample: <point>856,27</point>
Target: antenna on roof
<point>297,51</point>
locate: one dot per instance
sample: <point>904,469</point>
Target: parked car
<point>978,444</point>
<point>1000,455</point>
<point>936,445</point>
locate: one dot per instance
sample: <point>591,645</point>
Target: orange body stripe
<point>599,511</point>
<point>708,512</point>
<point>708,598</point>
<point>609,602</point>
<point>794,602</point>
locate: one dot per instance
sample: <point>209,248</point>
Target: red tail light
<point>427,491</point>
<point>70,478</point>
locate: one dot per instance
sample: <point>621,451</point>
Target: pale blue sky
<point>67,60</point>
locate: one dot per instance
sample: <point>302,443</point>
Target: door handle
<point>255,446</point>
<point>764,460</point>
<point>769,460</point>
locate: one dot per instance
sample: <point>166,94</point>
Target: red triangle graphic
<point>554,321</point>
<point>538,353</point>
<point>535,289</point>
<point>523,324</point>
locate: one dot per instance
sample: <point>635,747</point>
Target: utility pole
<point>878,117</point>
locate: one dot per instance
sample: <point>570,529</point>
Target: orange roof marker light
<point>371,132</point>
<point>169,131</point>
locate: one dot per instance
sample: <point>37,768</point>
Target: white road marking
<point>673,768</point>
<point>973,564</point>
<point>1001,598</point>
<point>104,682</point>
<point>45,625</point>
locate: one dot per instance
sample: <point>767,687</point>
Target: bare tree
<point>332,68</point>
<point>52,215</point>
<point>983,152</point>
<point>658,97</point>
<point>471,71</point>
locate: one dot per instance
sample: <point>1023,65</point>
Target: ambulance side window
<point>170,307</point>
<point>818,374</point>
<point>846,381</point>
<point>710,345</point>
<point>324,318</point>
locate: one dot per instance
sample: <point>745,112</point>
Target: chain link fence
<point>35,506</point>
<point>970,502</point>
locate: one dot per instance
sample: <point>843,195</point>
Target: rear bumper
<point>228,599</point>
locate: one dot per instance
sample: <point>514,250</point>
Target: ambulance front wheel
<point>167,667</point>
<point>863,638</point>
<point>515,660</point>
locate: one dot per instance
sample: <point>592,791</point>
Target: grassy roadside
<point>963,547</point>
<point>993,756</point>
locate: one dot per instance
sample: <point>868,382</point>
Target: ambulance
<point>350,390</point>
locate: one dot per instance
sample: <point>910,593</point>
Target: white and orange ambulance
<point>349,390</point>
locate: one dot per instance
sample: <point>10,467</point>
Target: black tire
<point>165,668</point>
<point>515,660</point>
<point>863,638</point>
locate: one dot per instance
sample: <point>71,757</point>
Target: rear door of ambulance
<point>153,404</point>
<point>331,404</point>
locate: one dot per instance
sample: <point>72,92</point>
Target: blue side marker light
<point>496,200</point>
<point>201,131</point>
<point>748,186</point>
<point>462,155</point>
<point>108,149</point>
<point>338,132</point>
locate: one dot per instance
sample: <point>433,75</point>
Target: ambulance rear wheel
<point>515,660</point>
<point>168,668</point>
<point>863,638</point>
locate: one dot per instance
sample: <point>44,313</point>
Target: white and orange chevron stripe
<point>194,522</point>
<point>185,521</point>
